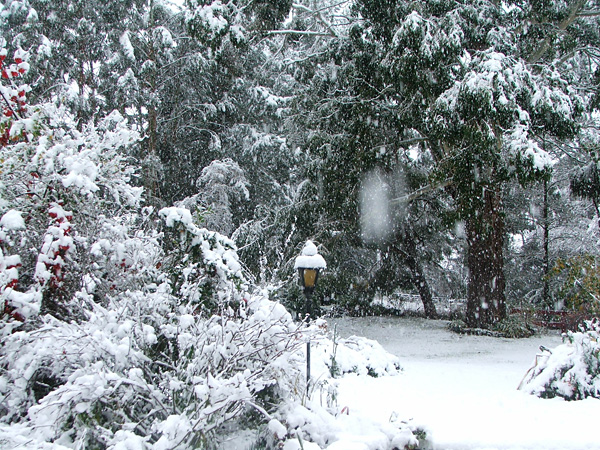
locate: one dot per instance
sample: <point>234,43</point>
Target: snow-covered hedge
<point>571,370</point>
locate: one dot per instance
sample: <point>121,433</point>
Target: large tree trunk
<point>486,303</point>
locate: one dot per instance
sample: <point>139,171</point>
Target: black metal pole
<point>309,314</point>
<point>307,366</point>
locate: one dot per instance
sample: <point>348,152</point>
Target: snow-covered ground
<point>463,389</point>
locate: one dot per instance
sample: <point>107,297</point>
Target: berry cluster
<point>14,97</point>
<point>58,243</point>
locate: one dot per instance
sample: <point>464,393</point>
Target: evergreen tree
<point>460,79</point>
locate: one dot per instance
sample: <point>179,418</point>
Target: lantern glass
<point>309,277</point>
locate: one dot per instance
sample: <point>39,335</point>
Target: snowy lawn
<point>463,389</point>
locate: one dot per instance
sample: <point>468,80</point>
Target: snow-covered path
<point>462,389</point>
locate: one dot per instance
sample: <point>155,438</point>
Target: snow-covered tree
<point>461,80</point>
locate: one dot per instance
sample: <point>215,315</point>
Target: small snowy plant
<point>204,264</point>
<point>571,370</point>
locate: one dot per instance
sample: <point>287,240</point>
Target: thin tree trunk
<point>417,274</point>
<point>486,302</point>
<point>546,263</point>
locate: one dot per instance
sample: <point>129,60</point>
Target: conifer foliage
<point>462,81</point>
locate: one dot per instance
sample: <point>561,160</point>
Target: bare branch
<point>574,12</point>
<point>318,16</point>
<point>588,14</point>
<point>299,33</point>
<point>420,192</point>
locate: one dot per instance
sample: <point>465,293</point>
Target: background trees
<point>409,139</point>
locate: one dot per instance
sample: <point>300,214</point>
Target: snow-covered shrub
<point>62,181</point>
<point>571,370</point>
<point>514,326</point>
<point>114,381</point>
<point>316,421</point>
<point>356,355</point>
<point>511,327</point>
<point>314,426</point>
<point>117,331</point>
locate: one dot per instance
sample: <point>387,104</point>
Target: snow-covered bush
<point>316,421</point>
<point>311,426</point>
<point>61,180</point>
<point>144,371</point>
<point>511,327</point>
<point>571,370</point>
<point>358,355</point>
<point>116,330</point>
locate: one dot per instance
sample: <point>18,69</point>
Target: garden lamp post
<point>308,264</point>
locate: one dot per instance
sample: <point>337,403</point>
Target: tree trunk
<point>486,303</point>
<point>417,274</point>
<point>546,262</point>
<point>151,175</point>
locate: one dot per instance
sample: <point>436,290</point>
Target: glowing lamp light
<point>308,265</point>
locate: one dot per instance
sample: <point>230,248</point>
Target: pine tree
<point>459,75</point>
